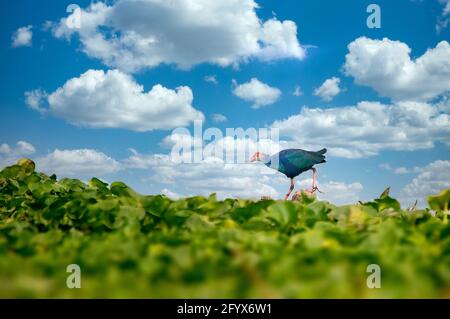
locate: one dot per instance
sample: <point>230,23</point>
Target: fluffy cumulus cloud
<point>22,37</point>
<point>222,167</point>
<point>237,148</point>
<point>368,128</point>
<point>340,193</point>
<point>10,154</point>
<point>430,180</point>
<point>387,67</point>
<point>211,175</point>
<point>136,34</point>
<point>329,89</point>
<point>214,175</point>
<point>256,92</point>
<point>113,99</point>
<point>78,163</point>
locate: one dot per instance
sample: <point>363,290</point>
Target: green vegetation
<point>129,245</point>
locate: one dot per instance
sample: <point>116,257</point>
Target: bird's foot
<point>314,189</point>
<point>298,196</point>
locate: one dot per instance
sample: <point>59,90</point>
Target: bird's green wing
<point>303,159</point>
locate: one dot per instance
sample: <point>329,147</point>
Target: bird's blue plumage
<point>293,162</point>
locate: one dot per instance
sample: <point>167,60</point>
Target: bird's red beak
<point>255,157</point>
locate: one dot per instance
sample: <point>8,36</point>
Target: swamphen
<point>293,162</point>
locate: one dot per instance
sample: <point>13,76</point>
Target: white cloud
<point>297,91</point>
<point>213,172</point>
<point>443,20</point>
<point>430,181</point>
<point>170,194</point>
<point>397,170</point>
<point>211,175</point>
<point>136,34</point>
<point>35,98</point>
<point>219,118</point>
<point>211,79</point>
<point>442,23</point>
<point>231,149</point>
<point>368,128</point>
<point>113,99</point>
<point>387,67</point>
<point>24,148</point>
<point>279,41</point>
<point>340,193</point>
<point>329,89</point>
<point>10,155</point>
<point>22,37</point>
<point>80,162</point>
<point>260,94</point>
<point>446,10</point>
<point>401,170</point>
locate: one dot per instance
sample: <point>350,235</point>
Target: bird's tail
<point>322,151</point>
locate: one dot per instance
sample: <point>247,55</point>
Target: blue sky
<point>406,146</point>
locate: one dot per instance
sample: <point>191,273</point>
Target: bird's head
<point>260,157</point>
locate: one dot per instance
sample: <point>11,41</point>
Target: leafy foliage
<point>129,245</point>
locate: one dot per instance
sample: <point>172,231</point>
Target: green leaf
<point>99,185</point>
<point>386,202</point>
<point>27,165</point>
<point>284,213</point>
<point>155,205</point>
<point>440,202</point>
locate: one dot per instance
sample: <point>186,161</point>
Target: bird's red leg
<point>314,178</point>
<point>314,187</point>
<point>290,189</point>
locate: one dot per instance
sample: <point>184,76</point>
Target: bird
<point>292,162</point>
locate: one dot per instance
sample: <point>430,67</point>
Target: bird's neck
<point>265,159</point>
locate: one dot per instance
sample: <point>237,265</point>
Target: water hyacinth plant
<point>131,245</point>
